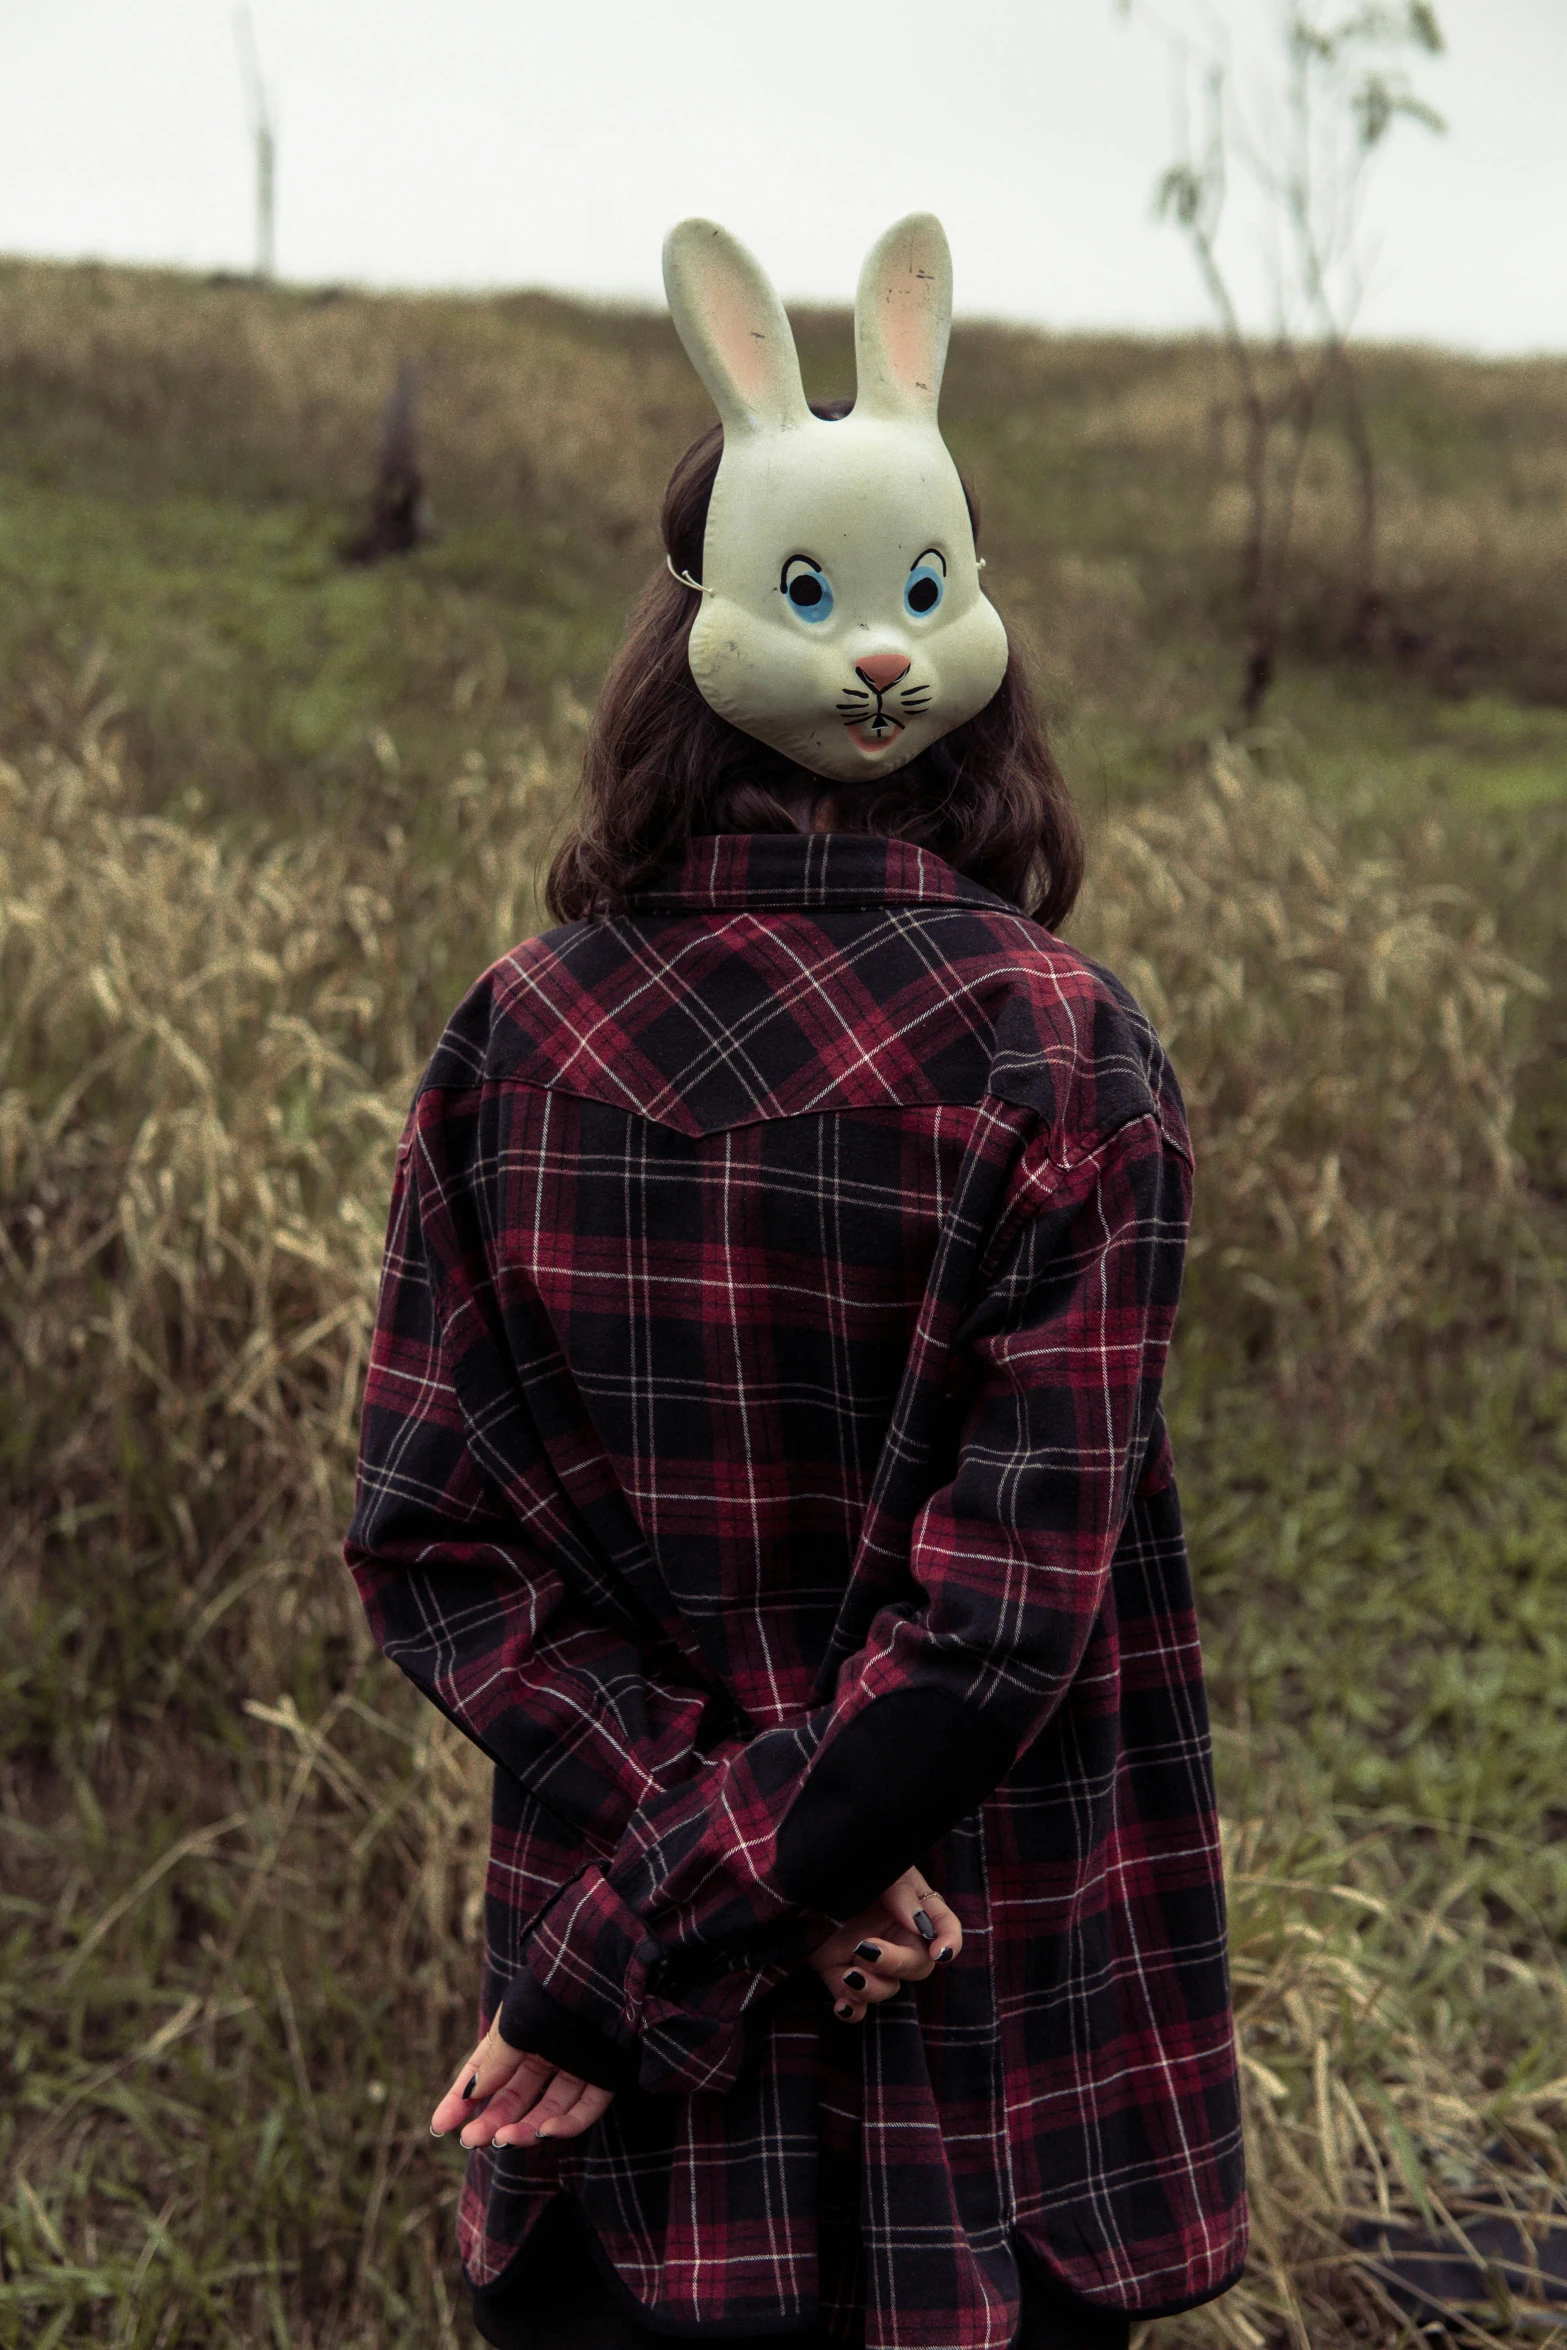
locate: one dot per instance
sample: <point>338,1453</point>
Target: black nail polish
<point>923,1927</point>
<point>944,1955</point>
<point>473,2083</point>
<point>844,2012</point>
<point>854,1979</point>
<point>870,1951</point>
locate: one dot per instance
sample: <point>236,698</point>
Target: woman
<point>763,1461</point>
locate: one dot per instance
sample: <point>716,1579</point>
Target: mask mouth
<point>874,734</point>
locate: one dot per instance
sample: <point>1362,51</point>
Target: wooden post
<point>265,135</point>
<point>399,509</point>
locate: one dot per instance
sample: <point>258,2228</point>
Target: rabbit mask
<point>842,620</point>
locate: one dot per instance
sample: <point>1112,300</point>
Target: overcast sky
<point>498,142</point>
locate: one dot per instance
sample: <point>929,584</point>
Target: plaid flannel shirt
<point>762,1461</point>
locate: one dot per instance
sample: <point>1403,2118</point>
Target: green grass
<point>238,1924</point>
<point>1385,1611</point>
<point>258,668</point>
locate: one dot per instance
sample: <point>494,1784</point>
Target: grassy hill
<point>264,813</point>
<point>182,459</point>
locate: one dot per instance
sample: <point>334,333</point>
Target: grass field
<point>262,817</point>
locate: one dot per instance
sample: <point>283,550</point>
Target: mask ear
<point>734,329</point>
<point>902,319</point>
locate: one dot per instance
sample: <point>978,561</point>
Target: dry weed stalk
<point>1357,2109</point>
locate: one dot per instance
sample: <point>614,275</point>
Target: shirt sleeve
<point>1062,1360</point>
<point>471,1601</point>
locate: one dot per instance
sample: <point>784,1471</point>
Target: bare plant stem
<point>1258,601</point>
<point>1339,97</point>
<point>1369,602</point>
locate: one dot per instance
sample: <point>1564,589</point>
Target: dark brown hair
<point>661,768</point>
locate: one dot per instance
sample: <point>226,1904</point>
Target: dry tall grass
<point>233,382</point>
<point>1347,1037</point>
<point>244,1860</point>
<point>204,1061</point>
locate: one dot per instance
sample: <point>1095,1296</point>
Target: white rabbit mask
<point>842,620</point>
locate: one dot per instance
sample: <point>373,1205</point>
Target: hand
<point>871,1957</point>
<point>503,2095</point>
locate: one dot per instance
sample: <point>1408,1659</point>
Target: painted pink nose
<point>882,669</point>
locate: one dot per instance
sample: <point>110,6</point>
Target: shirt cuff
<point>598,1964</point>
<point>530,2019</point>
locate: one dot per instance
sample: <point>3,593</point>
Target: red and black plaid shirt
<point>763,1462</point>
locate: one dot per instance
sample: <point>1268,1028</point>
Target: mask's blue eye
<point>807,588</point>
<point>925,585</point>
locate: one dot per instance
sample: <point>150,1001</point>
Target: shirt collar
<point>819,869</point>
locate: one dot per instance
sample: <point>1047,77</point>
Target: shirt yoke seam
<point>1064,1158</point>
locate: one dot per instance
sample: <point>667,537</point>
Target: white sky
<point>502,142</point>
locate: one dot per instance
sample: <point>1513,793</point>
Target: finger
<point>864,1940</point>
<point>903,1961</point>
<point>467,2067</point>
<point>847,2008</point>
<point>501,2066</point>
<point>454,2106</point>
<point>867,1988</point>
<point>915,1902</point>
<point>522,2122</point>
<point>498,2060</point>
<point>947,1942</point>
<point>513,2102</point>
<point>580,2116</point>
